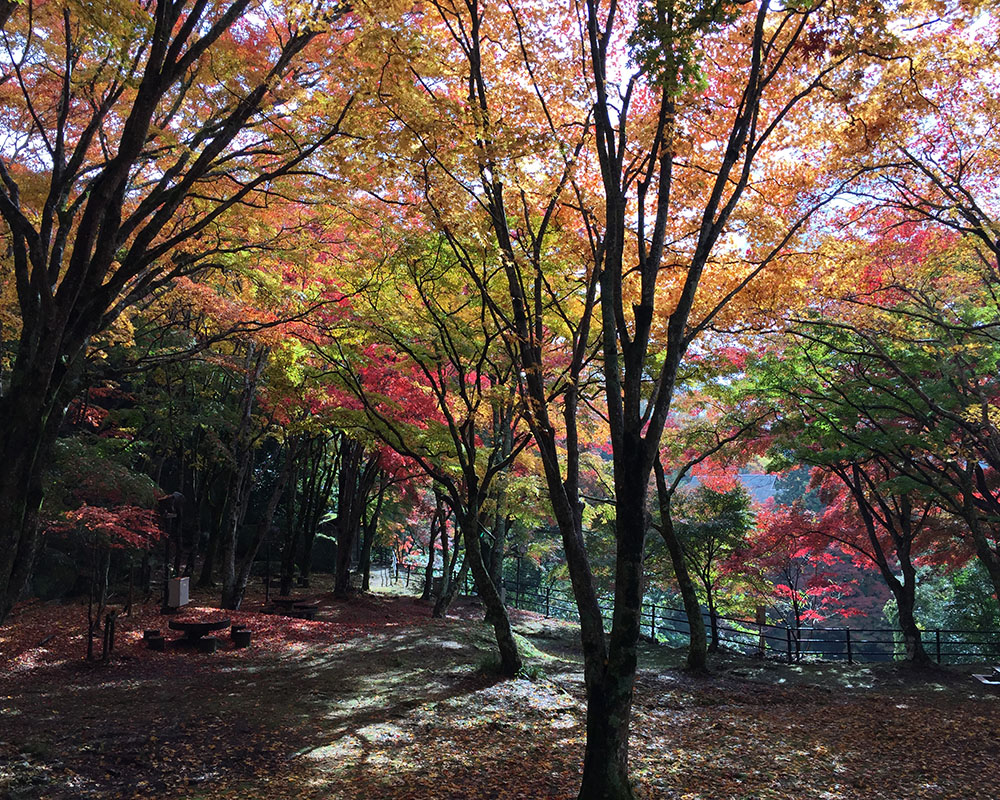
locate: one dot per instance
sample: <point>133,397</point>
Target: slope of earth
<point>374,699</point>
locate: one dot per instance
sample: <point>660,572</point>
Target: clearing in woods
<point>375,699</point>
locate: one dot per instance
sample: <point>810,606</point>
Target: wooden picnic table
<point>194,629</point>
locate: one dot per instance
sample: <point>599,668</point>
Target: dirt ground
<point>375,700</point>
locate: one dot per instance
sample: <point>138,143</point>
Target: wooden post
<point>652,622</point>
<point>937,640</point>
<point>267,570</point>
<point>517,584</point>
<point>166,570</point>
<point>788,639</point>
<point>847,639</point>
<point>761,619</point>
<point>548,594</point>
<point>131,586</point>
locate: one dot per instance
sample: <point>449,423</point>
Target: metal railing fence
<point>667,624</point>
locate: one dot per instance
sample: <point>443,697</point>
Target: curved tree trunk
<point>905,596</point>
<point>496,612</point>
<point>697,658</point>
<point>901,532</point>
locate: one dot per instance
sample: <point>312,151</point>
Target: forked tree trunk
<point>450,585</point>
<point>447,597</point>
<point>263,525</point>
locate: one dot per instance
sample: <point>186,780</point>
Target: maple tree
<point>711,521</point>
<point>901,367</point>
<point>471,143</point>
<point>649,323</point>
<point>787,564</point>
<point>135,140</point>
<point>704,428</point>
<point>871,506</point>
<point>429,377</point>
<point>552,224</point>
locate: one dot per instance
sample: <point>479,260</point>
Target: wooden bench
<point>305,610</point>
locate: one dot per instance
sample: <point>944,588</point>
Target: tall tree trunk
<point>215,535</point>
<point>349,506</point>
<point>297,511</point>
<point>713,618</point>
<point>609,702</point>
<point>370,528</point>
<point>436,526</point>
<point>242,476</point>
<point>31,411</point>
<point>697,658</point>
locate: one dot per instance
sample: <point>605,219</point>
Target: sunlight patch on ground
<point>32,659</point>
<point>537,696</point>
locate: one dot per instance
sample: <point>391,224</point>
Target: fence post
<point>548,595</point>
<point>850,652</point>
<point>652,622</point>
<point>407,575</point>
<point>788,639</point>
<point>937,639</point>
